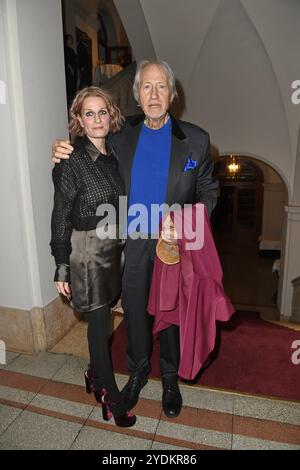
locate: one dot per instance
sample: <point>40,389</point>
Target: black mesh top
<point>81,184</point>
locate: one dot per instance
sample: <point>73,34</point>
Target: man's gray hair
<point>160,63</point>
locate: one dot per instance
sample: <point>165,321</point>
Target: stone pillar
<point>273,212</point>
<point>290,262</point>
<point>289,299</point>
<point>296,301</point>
<point>33,113</point>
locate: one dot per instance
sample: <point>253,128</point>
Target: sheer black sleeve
<point>65,192</point>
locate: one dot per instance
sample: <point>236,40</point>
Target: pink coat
<point>190,294</point>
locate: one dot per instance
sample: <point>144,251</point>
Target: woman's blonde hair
<point>116,118</point>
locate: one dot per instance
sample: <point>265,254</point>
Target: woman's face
<point>95,118</point>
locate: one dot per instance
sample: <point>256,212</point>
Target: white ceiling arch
<point>235,60</point>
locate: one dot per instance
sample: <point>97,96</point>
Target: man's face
<point>154,92</point>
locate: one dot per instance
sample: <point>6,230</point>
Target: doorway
<point>244,213</point>
<point>237,218</point>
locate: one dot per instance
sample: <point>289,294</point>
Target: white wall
<point>233,91</point>
<point>177,31</point>
<point>136,26</point>
<point>35,115</point>
<point>43,79</point>
<point>277,24</point>
<point>14,286</point>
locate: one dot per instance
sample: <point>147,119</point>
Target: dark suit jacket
<point>188,142</point>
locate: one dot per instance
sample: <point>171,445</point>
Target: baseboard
<point>38,329</point>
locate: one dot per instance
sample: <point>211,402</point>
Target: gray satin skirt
<point>96,270</point>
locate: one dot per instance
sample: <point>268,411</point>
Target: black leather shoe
<point>132,389</point>
<point>171,399</point>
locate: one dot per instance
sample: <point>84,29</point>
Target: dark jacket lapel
<point>179,152</point>
<point>130,139</point>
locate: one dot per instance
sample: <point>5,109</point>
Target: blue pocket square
<point>190,164</point>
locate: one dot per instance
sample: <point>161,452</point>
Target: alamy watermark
<point>295,98</point>
<point>2,92</point>
<point>296,353</point>
<point>2,352</point>
<point>136,222</point>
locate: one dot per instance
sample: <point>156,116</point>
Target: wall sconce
<point>233,166</point>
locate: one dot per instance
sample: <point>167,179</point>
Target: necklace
<point>147,122</point>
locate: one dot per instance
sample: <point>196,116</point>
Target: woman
<point>88,268</point>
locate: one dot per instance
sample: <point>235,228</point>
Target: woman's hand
<point>61,149</point>
<point>62,279</point>
<point>63,288</point>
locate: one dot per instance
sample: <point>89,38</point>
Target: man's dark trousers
<point>139,262</point>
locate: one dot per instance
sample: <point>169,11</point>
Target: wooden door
<point>238,214</point>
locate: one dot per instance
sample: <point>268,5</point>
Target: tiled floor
<point>43,405</point>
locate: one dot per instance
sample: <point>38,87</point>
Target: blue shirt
<point>149,177</point>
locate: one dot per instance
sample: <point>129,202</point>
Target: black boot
<point>132,389</point>
<point>171,399</point>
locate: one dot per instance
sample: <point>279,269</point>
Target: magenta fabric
<point>190,294</point>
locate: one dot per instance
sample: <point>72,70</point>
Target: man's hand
<point>61,149</point>
<point>169,233</point>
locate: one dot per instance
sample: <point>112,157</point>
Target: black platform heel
<point>125,420</point>
<point>90,387</point>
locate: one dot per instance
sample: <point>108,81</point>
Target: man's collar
<point>176,129</point>
<point>134,121</point>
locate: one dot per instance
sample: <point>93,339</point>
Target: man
<point>162,160</point>
<point>85,61</point>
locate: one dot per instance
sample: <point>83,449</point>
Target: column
<point>290,264</point>
<point>33,113</point>
<point>273,215</point>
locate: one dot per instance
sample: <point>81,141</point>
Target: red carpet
<point>251,355</point>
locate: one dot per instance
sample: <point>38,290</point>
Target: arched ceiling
<point>235,60</point>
